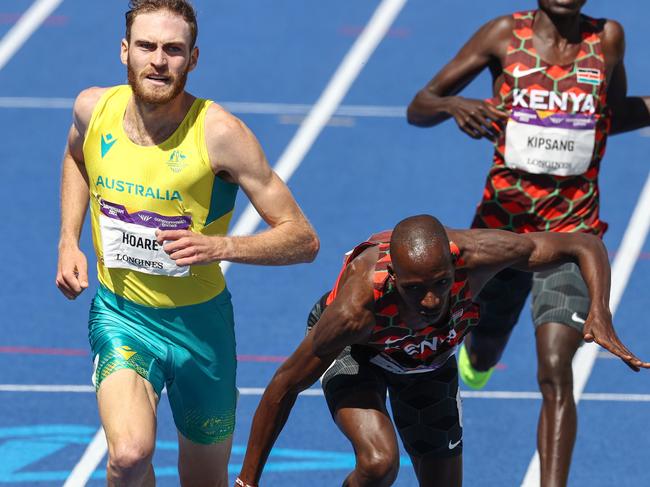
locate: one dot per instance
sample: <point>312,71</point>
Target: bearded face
<point>158,56</point>
<point>152,87</point>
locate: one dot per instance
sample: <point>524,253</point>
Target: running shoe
<point>471,377</point>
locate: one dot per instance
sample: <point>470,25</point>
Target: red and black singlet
<point>393,345</point>
<point>546,162</point>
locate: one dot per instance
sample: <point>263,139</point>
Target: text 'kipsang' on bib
<point>556,143</point>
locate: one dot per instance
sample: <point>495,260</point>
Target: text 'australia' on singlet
<point>135,190</point>
<point>392,344</point>
<point>546,162</point>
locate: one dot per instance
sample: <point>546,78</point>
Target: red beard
<point>156,95</point>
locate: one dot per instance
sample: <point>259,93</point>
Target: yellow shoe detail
<point>471,377</point>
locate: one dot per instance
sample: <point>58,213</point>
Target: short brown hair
<point>180,7</point>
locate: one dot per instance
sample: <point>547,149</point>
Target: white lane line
<point>293,155</point>
<point>592,396</point>
<point>32,102</point>
<point>587,396</point>
<point>299,109</point>
<point>25,27</point>
<point>94,454</point>
<point>258,391</point>
<point>239,107</point>
<point>626,256</point>
<point>330,99</point>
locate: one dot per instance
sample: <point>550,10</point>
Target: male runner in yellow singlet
<point>161,170</point>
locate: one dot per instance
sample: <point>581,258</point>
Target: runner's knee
<point>130,459</point>
<point>486,351</point>
<point>379,466</point>
<point>555,376</point>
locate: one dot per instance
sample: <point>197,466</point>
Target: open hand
<point>600,330</point>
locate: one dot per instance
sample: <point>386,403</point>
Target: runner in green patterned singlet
<point>401,305</point>
<point>559,87</point>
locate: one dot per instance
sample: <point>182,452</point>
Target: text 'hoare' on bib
<point>129,240</point>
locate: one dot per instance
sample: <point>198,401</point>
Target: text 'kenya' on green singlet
<point>546,162</point>
<point>392,344</point>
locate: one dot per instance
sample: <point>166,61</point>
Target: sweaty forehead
<point>160,26</point>
<point>429,256</point>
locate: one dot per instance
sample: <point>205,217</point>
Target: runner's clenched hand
<point>72,272</point>
<point>190,248</point>
<point>477,118</point>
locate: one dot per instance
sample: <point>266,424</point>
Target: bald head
<point>419,240</point>
<point>423,268</point>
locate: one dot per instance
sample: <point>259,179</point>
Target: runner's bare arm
<point>72,268</point>
<point>345,321</point>
<point>298,373</point>
<point>236,156</point>
<point>350,317</point>
<point>437,101</point>
<point>486,252</point>
<point>628,112</point>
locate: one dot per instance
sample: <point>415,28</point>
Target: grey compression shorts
<point>426,407</point>
<point>560,295</point>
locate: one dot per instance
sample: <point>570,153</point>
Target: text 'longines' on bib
<point>129,240</point>
<point>541,142</point>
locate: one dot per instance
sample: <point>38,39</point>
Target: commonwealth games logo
<point>176,161</point>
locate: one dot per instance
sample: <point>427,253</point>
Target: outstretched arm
<point>492,250</point>
<point>347,320</point>
<point>299,372</point>
<point>236,156</point>
<point>437,101</point>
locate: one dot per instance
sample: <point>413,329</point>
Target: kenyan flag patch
<point>588,76</point>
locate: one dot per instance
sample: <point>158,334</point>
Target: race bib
<point>386,362</point>
<point>129,240</point>
<point>559,144</point>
